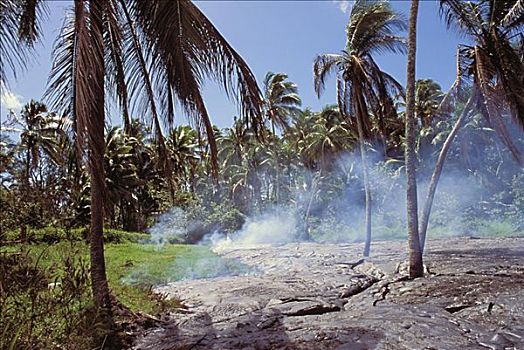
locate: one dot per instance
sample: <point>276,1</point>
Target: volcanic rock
<point>312,296</point>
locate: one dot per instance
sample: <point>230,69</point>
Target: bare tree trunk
<point>363,156</point>
<point>439,165</point>
<point>95,130</point>
<point>27,189</point>
<point>306,234</point>
<point>416,267</point>
<point>277,166</point>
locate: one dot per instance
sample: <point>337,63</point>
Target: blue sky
<point>277,36</point>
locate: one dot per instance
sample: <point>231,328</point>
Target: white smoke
<point>170,227</point>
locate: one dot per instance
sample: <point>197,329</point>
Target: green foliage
<point>51,235</point>
<point>132,269</point>
<point>42,305</point>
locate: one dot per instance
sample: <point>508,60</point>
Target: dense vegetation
<point>310,166</point>
<point>70,182</point>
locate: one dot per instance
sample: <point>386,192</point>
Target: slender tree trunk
<point>306,234</point>
<point>96,162</point>
<point>439,165</point>
<point>27,185</point>
<point>416,267</point>
<point>363,156</point>
<point>277,167</point>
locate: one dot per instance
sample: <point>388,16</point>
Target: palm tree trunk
<point>363,156</point>
<point>439,165</point>
<point>96,163</point>
<point>306,234</point>
<point>27,189</point>
<point>277,166</point>
<point>416,267</point>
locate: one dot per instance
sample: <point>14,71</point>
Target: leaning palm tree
<point>362,87</point>
<point>491,70</point>
<point>148,54</point>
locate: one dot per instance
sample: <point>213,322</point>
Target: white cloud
<point>343,5</point>
<point>10,100</point>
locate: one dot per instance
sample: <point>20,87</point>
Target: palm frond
<point>19,29</point>
<point>458,15</point>
<point>323,66</point>
<point>114,61</point>
<point>514,14</point>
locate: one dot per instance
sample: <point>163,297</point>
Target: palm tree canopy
<point>281,99</point>
<point>155,54</point>
<point>492,65</point>
<point>371,29</point>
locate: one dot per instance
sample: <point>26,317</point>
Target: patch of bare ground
<point>321,296</point>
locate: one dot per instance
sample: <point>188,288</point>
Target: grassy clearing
<point>133,268</point>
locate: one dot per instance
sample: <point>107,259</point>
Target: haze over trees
<point>336,174</point>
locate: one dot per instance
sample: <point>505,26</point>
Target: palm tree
<point>494,69</point>
<point>281,101</point>
<point>150,52</point>
<point>327,139</point>
<point>182,146</point>
<point>120,171</point>
<point>428,95</point>
<point>361,86</point>
<point>416,267</point>
<point>41,133</point>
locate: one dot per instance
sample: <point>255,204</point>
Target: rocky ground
<point>322,296</point>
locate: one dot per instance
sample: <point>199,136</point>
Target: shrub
<point>43,306</point>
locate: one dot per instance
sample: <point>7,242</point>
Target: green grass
<point>133,268</point>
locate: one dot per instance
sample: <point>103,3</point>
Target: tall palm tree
<point>327,139</point>
<point>152,53</point>
<point>281,102</point>
<point>416,268</point>
<point>41,133</point>
<point>361,86</point>
<point>491,70</point>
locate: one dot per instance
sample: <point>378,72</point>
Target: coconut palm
<point>182,145</point>
<point>281,100</point>
<point>41,134</point>
<point>490,70</point>
<point>150,52</point>
<point>362,87</point>
<point>428,95</point>
<point>328,138</point>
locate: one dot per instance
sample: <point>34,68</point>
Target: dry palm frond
<point>19,29</point>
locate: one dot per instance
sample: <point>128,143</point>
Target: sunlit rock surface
<point>322,296</point>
